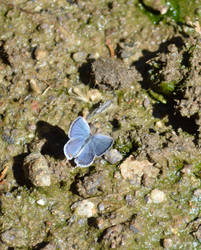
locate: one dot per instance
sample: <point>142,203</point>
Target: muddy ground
<point>61,59</point>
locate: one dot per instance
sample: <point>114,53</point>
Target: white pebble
<point>41,202</point>
<point>84,208</point>
<point>113,156</point>
<point>157,196</point>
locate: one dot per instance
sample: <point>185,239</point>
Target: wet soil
<point>61,59</point>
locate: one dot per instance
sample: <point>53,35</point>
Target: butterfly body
<point>83,146</point>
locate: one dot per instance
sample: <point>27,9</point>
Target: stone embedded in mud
<point>94,184</point>
<point>167,243</point>
<point>36,170</point>
<point>110,74</point>
<point>34,86</point>
<point>101,207</point>
<point>41,202</point>
<point>157,196</point>
<point>115,236</point>
<point>134,170</point>
<point>187,169</point>
<point>95,95</point>
<point>40,54</point>
<point>84,208</point>
<point>113,156</point>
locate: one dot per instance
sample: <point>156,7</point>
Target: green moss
<point>177,10</point>
<point>158,97</point>
<point>167,88</point>
<point>123,146</point>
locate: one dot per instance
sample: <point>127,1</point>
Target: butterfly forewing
<point>101,143</point>
<point>79,129</point>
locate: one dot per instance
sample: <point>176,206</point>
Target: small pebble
<point>157,196</point>
<point>167,243</point>
<point>146,102</point>
<point>34,86</point>
<point>84,208</point>
<point>81,221</point>
<point>187,169</point>
<point>40,54</point>
<point>41,202</point>
<point>8,194</point>
<point>130,200</point>
<point>133,170</point>
<point>94,95</point>
<point>19,197</point>
<point>113,156</point>
<point>101,207</point>
<point>197,193</point>
<point>159,124</point>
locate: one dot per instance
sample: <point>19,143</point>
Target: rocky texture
<point>36,170</point>
<point>111,74</point>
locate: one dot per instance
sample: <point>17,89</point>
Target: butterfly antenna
<point>100,109</point>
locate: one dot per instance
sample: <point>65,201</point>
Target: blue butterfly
<point>83,146</point>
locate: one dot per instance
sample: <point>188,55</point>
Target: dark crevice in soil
<point>18,170</point>
<point>3,54</point>
<point>116,124</point>
<point>150,9</point>
<point>85,72</point>
<point>160,110</point>
<point>142,66</point>
<point>186,59</point>
<point>102,235</point>
<point>40,245</point>
<point>33,50</point>
<point>175,119</point>
<point>92,222</point>
<point>55,139</point>
<point>73,187</point>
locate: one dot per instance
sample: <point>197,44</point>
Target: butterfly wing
<point>101,143</point>
<point>86,156</point>
<point>79,128</point>
<point>73,147</point>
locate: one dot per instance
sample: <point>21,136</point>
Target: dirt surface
<point>61,59</point>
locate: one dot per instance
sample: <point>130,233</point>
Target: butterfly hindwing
<point>73,147</point>
<point>101,143</point>
<point>86,156</point>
